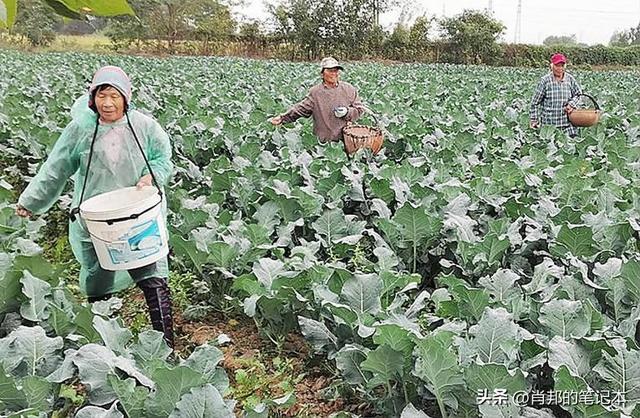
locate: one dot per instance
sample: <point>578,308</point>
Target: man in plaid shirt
<point>557,93</point>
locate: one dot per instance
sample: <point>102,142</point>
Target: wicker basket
<point>360,136</point>
<point>585,117</point>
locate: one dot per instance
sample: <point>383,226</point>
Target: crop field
<point>473,268</point>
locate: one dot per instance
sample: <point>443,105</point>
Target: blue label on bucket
<point>140,242</point>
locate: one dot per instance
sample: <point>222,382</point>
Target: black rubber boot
<point>158,297</point>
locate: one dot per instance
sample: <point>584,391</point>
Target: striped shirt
<point>553,95</point>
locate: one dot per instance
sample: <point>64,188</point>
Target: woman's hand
<point>568,109</point>
<point>144,181</point>
<point>22,212</point>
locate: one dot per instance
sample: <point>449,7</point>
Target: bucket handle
<point>75,211</point>
<point>592,99</point>
<point>126,218</point>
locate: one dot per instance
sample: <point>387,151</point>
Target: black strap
<point>592,99</point>
<point>128,218</point>
<point>75,211</point>
<point>153,177</point>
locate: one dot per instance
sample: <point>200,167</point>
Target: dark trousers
<point>158,297</point>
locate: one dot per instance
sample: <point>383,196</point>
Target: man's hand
<point>276,120</point>
<point>144,181</point>
<point>568,109</point>
<point>533,124</point>
<point>22,212</point>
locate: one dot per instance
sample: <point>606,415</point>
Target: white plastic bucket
<point>127,227</point>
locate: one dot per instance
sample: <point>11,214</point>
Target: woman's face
<point>331,75</point>
<point>110,104</point>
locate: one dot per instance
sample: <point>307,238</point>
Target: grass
<point>83,43</point>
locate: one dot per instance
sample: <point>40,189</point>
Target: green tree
<point>560,40</point>
<point>212,22</point>
<point>626,37</point>
<point>320,27</point>
<point>473,35</point>
<point>172,21</point>
<point>420,30</point>
<point>36,22</point>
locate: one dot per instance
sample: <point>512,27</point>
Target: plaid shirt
<point>553,95</point>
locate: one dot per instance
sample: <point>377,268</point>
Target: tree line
<point>309,29</point>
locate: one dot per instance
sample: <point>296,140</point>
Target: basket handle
<point>373,115</point>
<point>592,99</point>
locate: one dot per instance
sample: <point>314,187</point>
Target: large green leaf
<point>630,275</point>
<point>113,335</point>
<point>35,309</point>
<point>566,382</point>
<point>39,392</point>
<point>416,228</point>
<point>222,255</point>
<point>188,251</point>
<point>95,363</point>
<point>469,303</point>
<point>206,360</point>
<point>395,337</point>
<point>97,412</point>
<point>202,402</point>
<point>317,334</point>
<point>95,7</point>
<point>496,337</point>
<point>267,271</point>
<point>491,377</point>
<point>577,241</point>
<point>349,361</point>
<point>330,227</point>
<point>385,364</point>
<point>362,293</point>
<point>437,365</point>
<point>131,396</point>
<point>8,12</point>
<point>32,346</point>
<point>565,318</point>
<point>621,372</point>
<point>171,384</point>
<point>570,355</point>
<point>150,347</point>
<point>502,286</point>
<point>12,398</point>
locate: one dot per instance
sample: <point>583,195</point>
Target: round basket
<point>585,117</point>
<point>360,136</point>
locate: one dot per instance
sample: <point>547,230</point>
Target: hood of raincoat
<point>114,76</point>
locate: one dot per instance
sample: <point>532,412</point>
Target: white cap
<point>330,62</point>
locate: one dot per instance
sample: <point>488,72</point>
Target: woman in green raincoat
<point>104,117</point>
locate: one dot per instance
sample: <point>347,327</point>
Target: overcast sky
<point>592,21</point>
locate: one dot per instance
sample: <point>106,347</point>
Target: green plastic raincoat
<point>116,163</point>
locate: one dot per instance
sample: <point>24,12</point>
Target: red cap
<point>558,58</point>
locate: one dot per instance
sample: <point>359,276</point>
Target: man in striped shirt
<point>557,94</point>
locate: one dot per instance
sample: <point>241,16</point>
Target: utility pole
<point>518,32</point>
<point>490,6</point>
